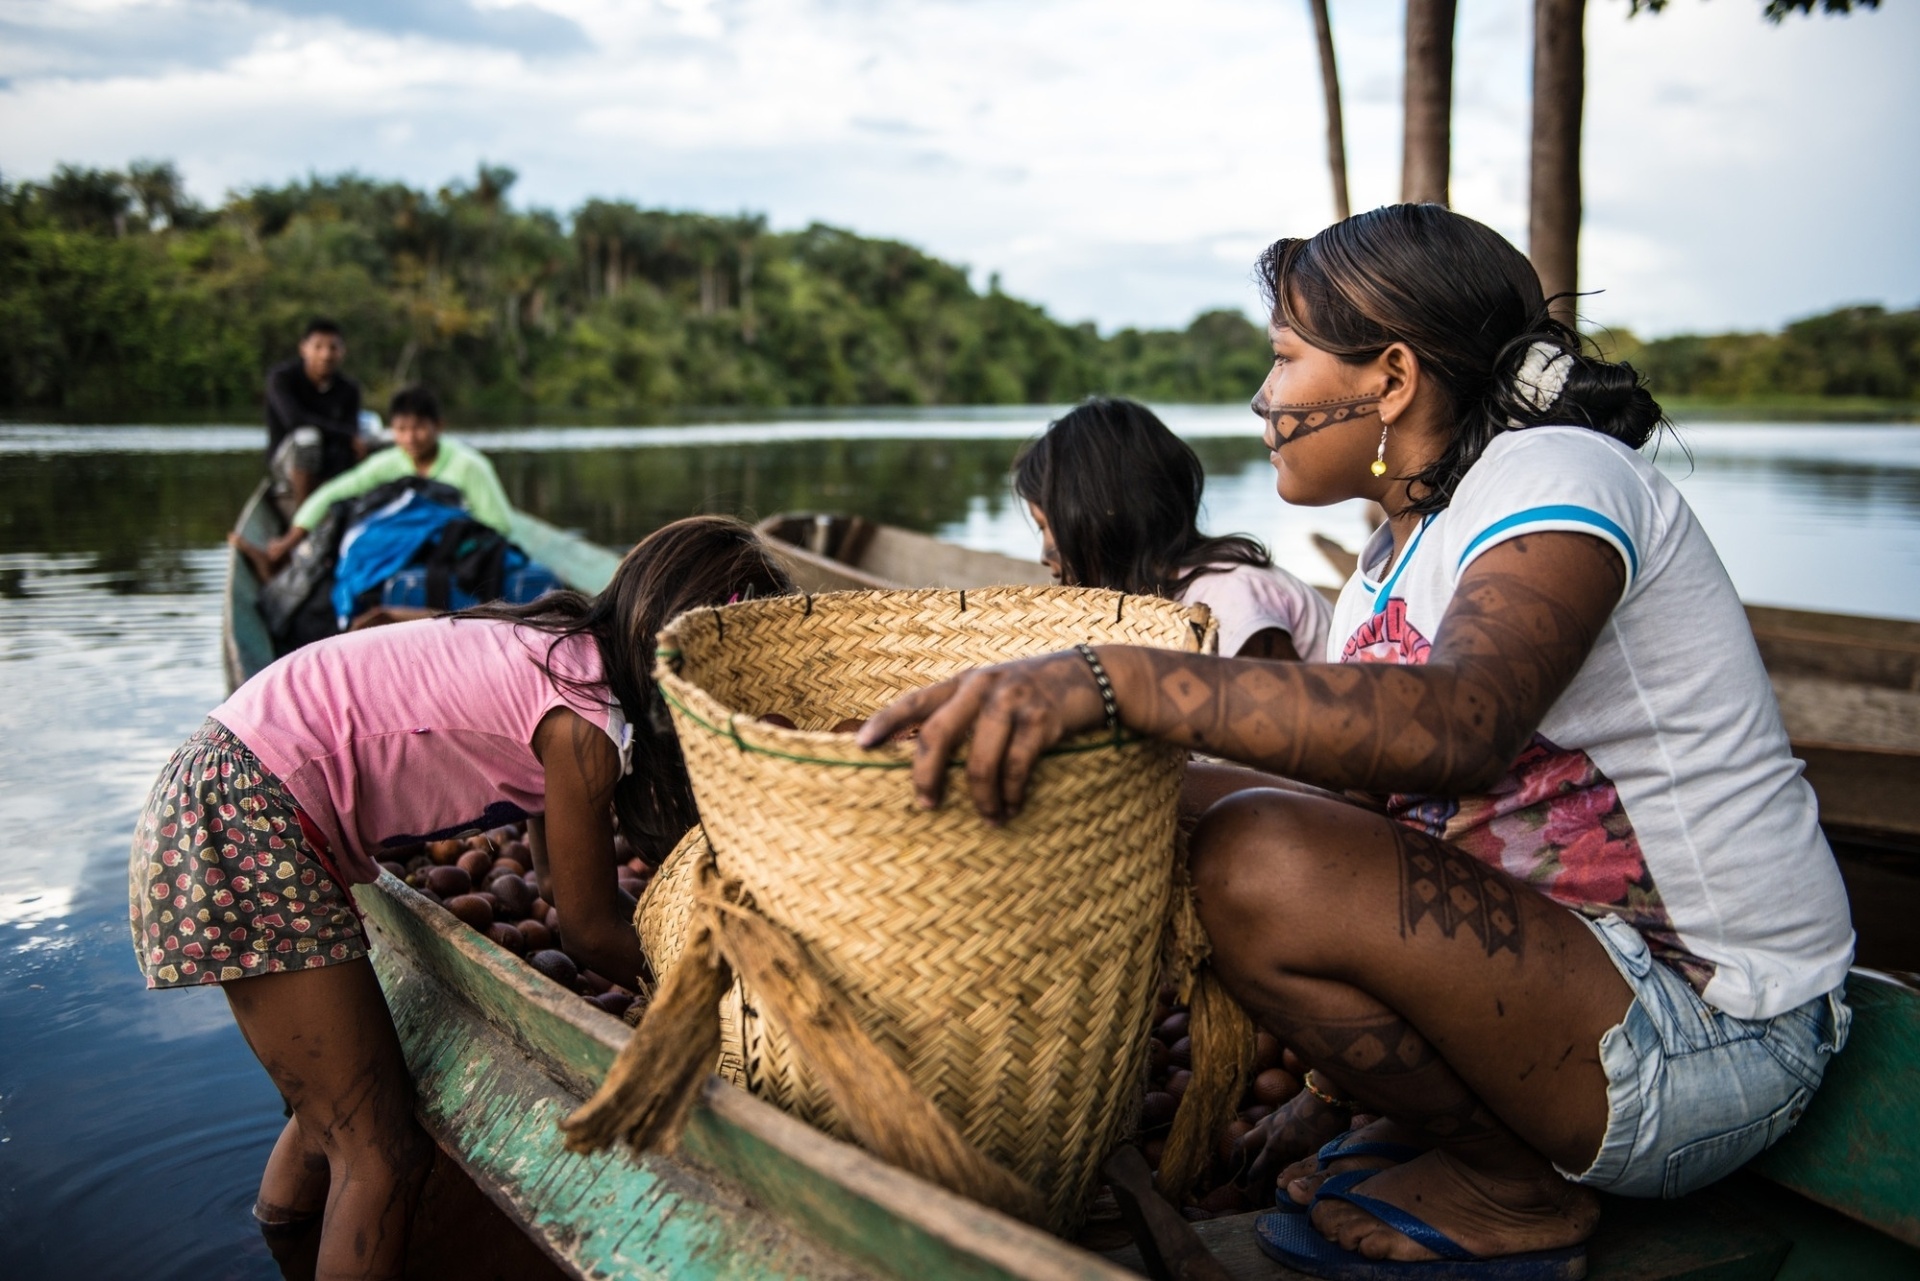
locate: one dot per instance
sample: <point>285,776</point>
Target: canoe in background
<point>499,1054</point>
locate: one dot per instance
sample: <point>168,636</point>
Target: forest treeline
<point>119,294</point>
<point>1858,352</point>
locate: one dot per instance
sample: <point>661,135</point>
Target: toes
<point>1374,1245</point>
<point>1298,1170</point>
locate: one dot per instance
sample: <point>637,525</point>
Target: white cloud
<point>1114,161</point>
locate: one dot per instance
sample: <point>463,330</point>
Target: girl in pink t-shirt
<point>374,740</point>
<point>1116,496</point>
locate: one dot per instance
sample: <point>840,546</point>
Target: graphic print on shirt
<point>1555,820</point>
<point>1387,637</point>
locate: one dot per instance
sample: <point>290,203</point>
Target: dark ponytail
<point>1121,494</point>
<point>1470,306</point>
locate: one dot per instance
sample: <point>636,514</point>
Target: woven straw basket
<point>1010,971</point>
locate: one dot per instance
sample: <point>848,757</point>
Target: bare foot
<point>1304,1177</point>
<point>1488,1215</point>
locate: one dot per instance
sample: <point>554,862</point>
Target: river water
<point>133,1126</point>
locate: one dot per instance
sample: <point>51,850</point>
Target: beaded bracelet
<point>1331,1100</point>
<point>1107,702</point>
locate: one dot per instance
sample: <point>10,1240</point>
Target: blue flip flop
<point>1292,1241</point>
<point>1338,1148</point>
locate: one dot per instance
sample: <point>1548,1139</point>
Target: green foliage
<point>1776,11</point>
<point>1865,352</point>
<point>120,295</point>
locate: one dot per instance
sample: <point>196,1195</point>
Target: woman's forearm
<point>1522,623</point>
<point>1374,727</point>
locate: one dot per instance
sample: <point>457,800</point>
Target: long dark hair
<point>1469,305</point>
<point>1122,497</point>
<point>699,561</point>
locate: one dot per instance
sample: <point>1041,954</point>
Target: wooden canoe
<point>499,1055</point>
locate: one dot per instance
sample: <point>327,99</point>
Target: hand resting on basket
<point>1523,619</point>
<point>1013,712</point>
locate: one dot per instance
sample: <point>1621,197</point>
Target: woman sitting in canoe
<point>1117,497</point>
<point>1591,938</point>
<point>423,731</point>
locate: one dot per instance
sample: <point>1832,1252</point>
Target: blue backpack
<point>427,553</point>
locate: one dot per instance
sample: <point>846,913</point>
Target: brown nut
<point>1274,1087</point>
<point>613,1002</point>
<point>508,937</point>
<point>448,882</point>
<point>556,965</point>
<point>514,897</point>
<point>535,934</point>
<point>1266,1051</point>
<point>1228,1198</point>
<point>473,909</point>
<point>475,864</point>
<point>445,852</point>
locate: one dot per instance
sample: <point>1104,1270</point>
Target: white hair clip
<point>1542,377</point>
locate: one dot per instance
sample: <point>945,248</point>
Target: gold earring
<point>1379,465</point>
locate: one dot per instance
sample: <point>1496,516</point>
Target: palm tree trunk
<point>1427,145</point>
<point>1336,130</point>
<point>1559,88</point>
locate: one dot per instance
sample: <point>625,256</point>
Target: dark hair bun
<point>1601,395</point>
<point>1610,398</point>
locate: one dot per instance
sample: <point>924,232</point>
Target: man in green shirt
<point>418,450</point>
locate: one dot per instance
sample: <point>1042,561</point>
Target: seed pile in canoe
<point>1271,1083</point>
<point>488,882</point>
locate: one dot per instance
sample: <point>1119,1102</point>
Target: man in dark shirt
<point>313,416</point>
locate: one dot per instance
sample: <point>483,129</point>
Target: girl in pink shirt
<point>295,787</point>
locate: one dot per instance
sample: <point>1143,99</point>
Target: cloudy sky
<point>1115,160</point>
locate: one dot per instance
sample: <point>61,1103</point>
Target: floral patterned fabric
<point>223,883</point>
<point>1554,821</point>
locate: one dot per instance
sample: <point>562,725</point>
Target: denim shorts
<point>1694,1094</point>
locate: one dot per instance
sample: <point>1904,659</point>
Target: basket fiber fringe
<point>1010,972</point>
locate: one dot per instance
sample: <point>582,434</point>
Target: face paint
<point>1290,423</point>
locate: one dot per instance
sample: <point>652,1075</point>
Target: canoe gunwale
<point>817,1186</point>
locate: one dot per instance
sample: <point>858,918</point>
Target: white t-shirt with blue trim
<point>1660,787</point>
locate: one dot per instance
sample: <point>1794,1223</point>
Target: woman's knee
<point>1261,863</point>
